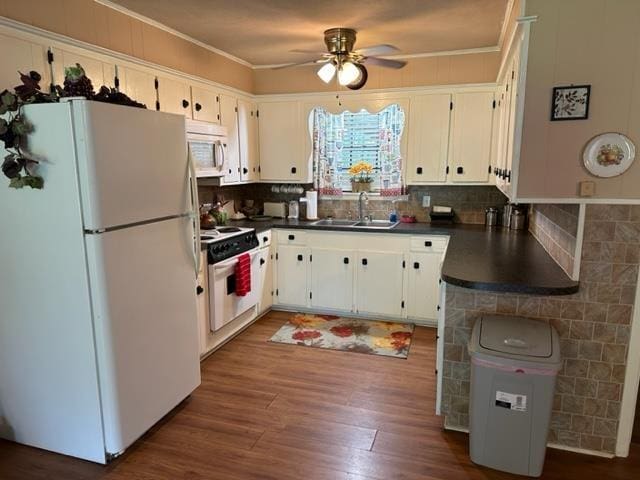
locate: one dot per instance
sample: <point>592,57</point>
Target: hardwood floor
<point>272,411</point>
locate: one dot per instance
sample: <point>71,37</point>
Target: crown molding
<point>162,26</point>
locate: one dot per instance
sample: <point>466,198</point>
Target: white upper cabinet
<point>428,138</point>
<point>99,72</point>
<point>248,135</point>
<point>281,134</point>
<point>21,56</point>
<point>138,85</point>
<point>174,96</point>
<point>229,118</point>
<point>470,139</point>
<point>205,104</point>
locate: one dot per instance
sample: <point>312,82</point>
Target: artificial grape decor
<point>18,166</point>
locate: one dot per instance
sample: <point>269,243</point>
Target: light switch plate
<point>587,189</point>
<point>426,201</point>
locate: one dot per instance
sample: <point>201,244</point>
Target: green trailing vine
<point>19,166</point>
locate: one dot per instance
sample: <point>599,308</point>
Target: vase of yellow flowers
<point>361,179</point>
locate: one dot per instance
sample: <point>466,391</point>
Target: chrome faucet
<point>361,215</point>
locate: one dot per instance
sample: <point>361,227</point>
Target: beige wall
<point>94,23</point>
<point>593,42</point>
<point>426,71</point>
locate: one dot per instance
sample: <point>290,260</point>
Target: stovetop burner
<point>228,229</point>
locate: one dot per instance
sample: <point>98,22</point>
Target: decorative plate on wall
<point>609,154</point>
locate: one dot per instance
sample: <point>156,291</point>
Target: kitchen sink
<point>333,222</point>
<point>383,224</point>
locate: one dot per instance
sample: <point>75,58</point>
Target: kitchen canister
<point>491,216</point>
<point>518,219</point>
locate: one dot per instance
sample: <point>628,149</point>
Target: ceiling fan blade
<point>301,64</point>
<point>384,62</point>
<point>374,50</point>
<point>308,52</point>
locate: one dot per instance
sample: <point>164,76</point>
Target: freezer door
<point>132,164</point>
<point>145,317</point>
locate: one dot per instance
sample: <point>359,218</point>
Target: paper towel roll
<point>312,204</point>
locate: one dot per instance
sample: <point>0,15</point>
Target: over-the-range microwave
<point>207,144</point>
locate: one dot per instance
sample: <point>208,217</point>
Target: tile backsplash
<point>468,202</point>
<point>556,228</point>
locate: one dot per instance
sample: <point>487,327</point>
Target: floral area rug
<point>347,334</point>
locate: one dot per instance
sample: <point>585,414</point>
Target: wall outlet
<point>587,189</point>
<point>426,201</point>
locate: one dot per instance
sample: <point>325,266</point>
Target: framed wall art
<point>570,103</point>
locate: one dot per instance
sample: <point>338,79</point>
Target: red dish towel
<point>243,275</point>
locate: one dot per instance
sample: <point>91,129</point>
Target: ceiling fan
<point>340,57</point>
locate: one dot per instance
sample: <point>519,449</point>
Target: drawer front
<point>264,238</point>
<point>429,244</point>
<point>292,237</point>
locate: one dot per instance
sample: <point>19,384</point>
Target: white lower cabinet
<point>379,283</point>
<point>265,262</point>
<point>423,285</point>
<point>332,279</point>
<point>291,273</point>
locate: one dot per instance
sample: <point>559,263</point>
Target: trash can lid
<point>516,337</point>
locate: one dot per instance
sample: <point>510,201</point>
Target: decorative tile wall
<point>468,202</point>
<point>593,324</point>
<point>556,227</point>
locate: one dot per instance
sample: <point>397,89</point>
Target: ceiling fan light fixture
<point>326,72</point>
<point>348,73</point>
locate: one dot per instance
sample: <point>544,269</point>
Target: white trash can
<point>514,364</point>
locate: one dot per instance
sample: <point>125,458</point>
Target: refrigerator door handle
<point>193,186</point>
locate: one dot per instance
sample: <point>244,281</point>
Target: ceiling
<point>262,32</point>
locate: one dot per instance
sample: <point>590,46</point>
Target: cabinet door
<point>21,56</point>
<point>292,266</point>
<point>423,287</point>
<point>266,279</point>
<point>174,96</point>
<point>138,85</point>
<point>206,105</point>
<point>512,95</point>
<point>248,135</point>
<point>99,72</point>
<point>229,118</point>
<point>332,279</point>
<point>379,283</point>
<point>281,136</point>
<point>470,147</point>
<point>428,138</point>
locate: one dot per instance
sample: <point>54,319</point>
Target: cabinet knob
<point>245,170</point>
<point>416,265</point>
<point>419,170</point>
<point>265,239</point>
<point>199,290</point>
<point>198,107</point>
<point>294,169</point>
<point>364,261</point>
<point>459,170</point>
<point>262,261</point>
<point>185,104</point>
<point>292,237</point>
<point>300,258</point>
<point>428,243</point>
<point>346,260</point>
<point>229,171</point>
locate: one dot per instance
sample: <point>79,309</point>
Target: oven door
<point>208,154</point>
<point>224,304</point>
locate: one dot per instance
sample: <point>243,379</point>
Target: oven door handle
<point>227,263</point>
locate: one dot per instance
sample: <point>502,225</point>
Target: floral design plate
<point>609,154</point>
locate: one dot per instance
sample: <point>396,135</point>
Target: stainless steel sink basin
<point>383,224</point>
<point>334,222</point>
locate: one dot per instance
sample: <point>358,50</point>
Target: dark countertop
<point>481,258</point>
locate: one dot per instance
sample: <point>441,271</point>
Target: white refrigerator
<point>98,329</point>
